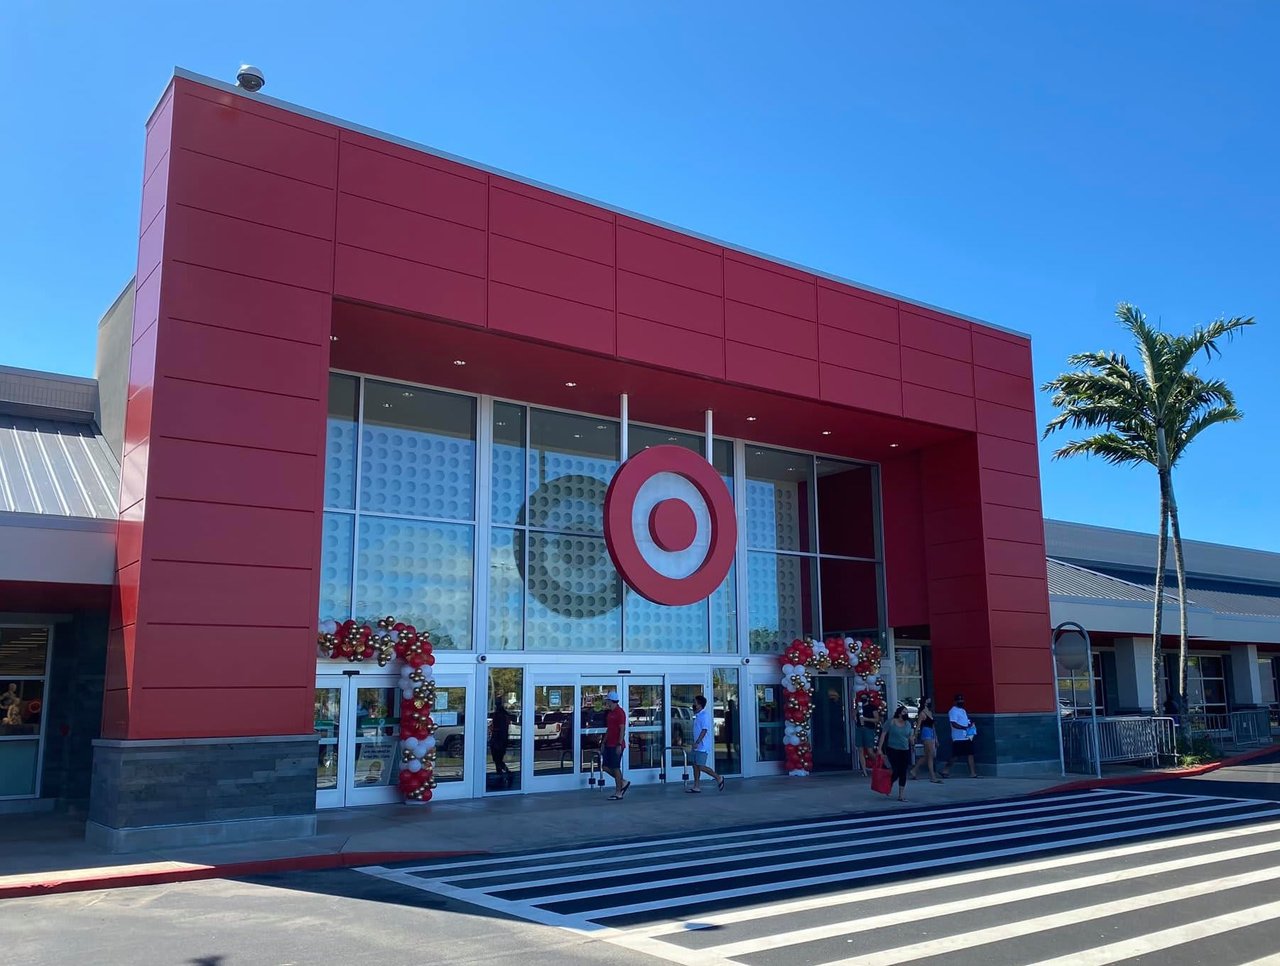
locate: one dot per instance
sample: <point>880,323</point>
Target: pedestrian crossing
<point>1104,873</point>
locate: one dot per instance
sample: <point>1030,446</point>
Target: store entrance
<point>830,729</point>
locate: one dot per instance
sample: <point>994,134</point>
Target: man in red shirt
<point>615,743</point>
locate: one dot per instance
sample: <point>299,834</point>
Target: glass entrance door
<point>591,723</point>
<point>830,727</point>
<point>357,721</point>
<point>554,745</point>
<point>646,705</point>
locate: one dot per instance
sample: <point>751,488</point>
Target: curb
<point>72,880</point>
<point>1158,776</point>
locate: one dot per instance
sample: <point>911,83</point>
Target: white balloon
<point>328,627</point>
<point>411,744</point>
<point>406,671</point>
<point>429,743</point>
<point>415,765</point>
<point>395,636</point>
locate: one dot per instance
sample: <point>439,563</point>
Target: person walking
<point>703,745</point>
<point>864,732</point>
<point>926,727</point>
<point>615,743</point>
<point>897,738</point>
<point>499,741</point>
<point>962,733</point>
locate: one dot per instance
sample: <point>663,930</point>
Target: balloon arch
<point>861,656</point>
<point>387,641</point>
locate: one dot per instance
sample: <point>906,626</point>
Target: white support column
<point>1245,679</point>
<point>623,451</point>
<point>710,453</point>
<point>1133,675</point>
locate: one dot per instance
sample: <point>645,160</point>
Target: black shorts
<point>962,749</point>
<point>611,757</point>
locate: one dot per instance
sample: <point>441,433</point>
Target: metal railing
<point>1275,718</point>
<point>666,758</point>
<point>1119,739</point>
<point>1203,724</point>
<point>1252,727</point>
<point>595,772</point>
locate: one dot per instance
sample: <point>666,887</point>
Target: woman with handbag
<point>897,739</point>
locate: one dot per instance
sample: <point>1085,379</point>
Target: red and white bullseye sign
<point>670,526</point>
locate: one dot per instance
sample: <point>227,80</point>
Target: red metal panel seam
<point>260,224</point>
<point>724,314</point>
<point>488,244</point>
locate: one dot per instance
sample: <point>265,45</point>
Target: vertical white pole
<point>710,438</point>
<point>625,452</point>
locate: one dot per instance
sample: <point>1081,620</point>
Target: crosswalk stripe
<point>808,862</point>
<point>698,858</point>
<point>921,913</point>
<point>1168,938</point>
<point>834,900</point>
<point>1058,920</point>
<point>1068,800</point>
<point>654,905</point>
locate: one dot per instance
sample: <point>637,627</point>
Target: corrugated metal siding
<point>1068,580</point>
<point>56,467</point>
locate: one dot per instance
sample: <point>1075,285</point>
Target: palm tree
<point>1148,415</point>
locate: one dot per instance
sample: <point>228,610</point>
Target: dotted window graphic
<point>773,515</point>
<point>421,572</point>
<point>506,589</point>
<point>654,628</point>
<point>724,616</point>
<point>779,600</point>
<point>567,492</point>
<point>508,484</point>
<point>574,593</point>
<point>340,464</point>
<point>417,474</point>
<point>337,531</point>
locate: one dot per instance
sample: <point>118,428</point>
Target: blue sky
<point>1029,164</point>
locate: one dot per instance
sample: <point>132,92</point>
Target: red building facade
<point>276,246</point>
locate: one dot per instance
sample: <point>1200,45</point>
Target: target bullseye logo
<point>669,525</point>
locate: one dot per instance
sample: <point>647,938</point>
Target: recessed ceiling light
<point>386,405</point>
<point>407,394</point>
<point>893,446</point>
<point>501,422</point>
<point>671,439</point>
<point>826,432</point>
<point>570,384</point>
<point>751,419</point>
<point>333,338</point>
<point>577,436</point>
<point>602,426</point>
<point>459,362</point>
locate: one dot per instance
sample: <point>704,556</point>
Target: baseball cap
<point>611,696</point>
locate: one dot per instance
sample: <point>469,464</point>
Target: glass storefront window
<point>450,716</point>
<point>571,461</point>
<point>653,628</point>
<point>847,502</point>
<point>24,658</point>
<point>420,572</point>
<point>506,589</point>
<point>507,464</point>
<point>377,737</point>
<point>909,671</point>
<point>725,716</point>
<point>328,728</point>
<point>781,592</point>
<point>337,533</point>
<point>779,500</point>
<point>554,709</point>
<point>640,438</point>
<point>724,615</point>
<point>417,452</point>
<point>768,722</point>
<point>573,594</point>
<point>340,443</point>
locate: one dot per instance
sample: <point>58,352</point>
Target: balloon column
<point>835,653</point>
<point>385,641</point>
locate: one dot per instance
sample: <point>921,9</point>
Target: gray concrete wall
<point>1008,745</point>
<point>74,706</point>
<point>115,333</point>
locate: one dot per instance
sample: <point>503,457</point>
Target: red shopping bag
<point>881,777</point>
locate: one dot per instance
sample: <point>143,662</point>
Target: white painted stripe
<point>695,857</point>
<point>922,913</point>
<point>929,863</point>
<point>703,837</point>
<point>808,862</point>
<point>833,900</point>
<point>1271,960</point>
<point>1176,936</point>
<point>1071,917</point>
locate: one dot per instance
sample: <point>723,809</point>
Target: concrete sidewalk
<point>47,853</point>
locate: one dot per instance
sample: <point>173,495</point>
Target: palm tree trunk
<point>1181,567</point>
<point>1157,655</point>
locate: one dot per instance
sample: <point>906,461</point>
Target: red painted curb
<point>298,863</point>
<point>1158,776</point>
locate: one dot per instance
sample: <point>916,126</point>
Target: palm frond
<point>1222,414</point>
<point>1111,447</point>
